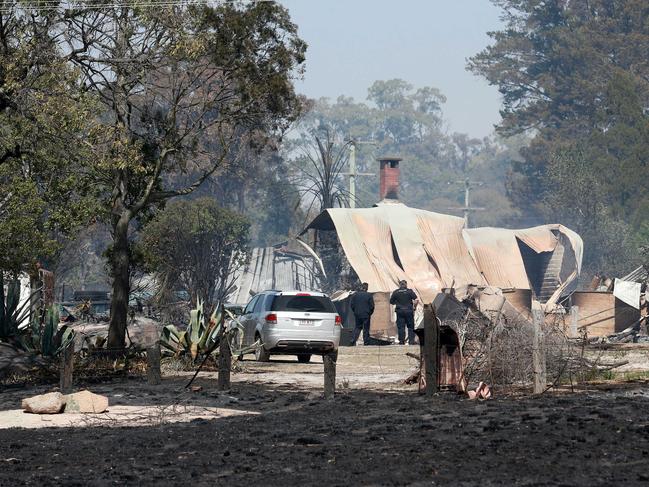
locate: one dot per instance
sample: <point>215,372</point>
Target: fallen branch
<point>413,378</point>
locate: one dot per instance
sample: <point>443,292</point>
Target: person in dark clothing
<point>362,304</point>
<point>405,301</point>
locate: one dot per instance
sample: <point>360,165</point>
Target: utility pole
<point>353,172</point>
<point>352,175</point>
<point>467,208</point>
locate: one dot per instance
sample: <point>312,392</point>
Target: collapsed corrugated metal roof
<point>433,251</point>
<point>274,268</point>
<point>638,275</point>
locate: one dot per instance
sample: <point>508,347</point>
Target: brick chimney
<point>389,170</point>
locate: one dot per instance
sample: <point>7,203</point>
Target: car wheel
<point>304,358</point>
<point>261,354</point>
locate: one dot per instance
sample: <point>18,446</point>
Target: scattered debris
<point>14,360</point>
<point>628,335</point>
<point>483,391</point>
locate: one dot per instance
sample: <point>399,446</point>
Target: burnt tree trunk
<point>332,259</point>
<point>120,266</point>
<point>538,352</point>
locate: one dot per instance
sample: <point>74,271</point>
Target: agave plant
<point>203,336</point>
<point>197,338</point>
<point>12,313</point>
<point>47,339</point>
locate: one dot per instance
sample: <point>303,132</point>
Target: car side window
<point>258,304</point>
<point>268,302</point>
<point>251,305</point>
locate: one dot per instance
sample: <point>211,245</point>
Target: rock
<point>85,402</point>
<point>50,403</point>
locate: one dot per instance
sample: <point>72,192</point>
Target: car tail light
<point>339,320</point>
<point>271,319</point>
<point>303,294</point>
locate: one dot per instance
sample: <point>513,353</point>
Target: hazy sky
<point>353,43</point>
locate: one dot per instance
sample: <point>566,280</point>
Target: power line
<point>51,5</point>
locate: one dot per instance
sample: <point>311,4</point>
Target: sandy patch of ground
<point>117,416</point>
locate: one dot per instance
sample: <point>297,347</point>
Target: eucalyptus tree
<point>178,85</point>
<point>44,130</point>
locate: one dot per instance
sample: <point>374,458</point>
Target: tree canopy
<point>399,119</point>
<point>44,132</point>
<point>138,104</point>
<point>196,246</point>
<point>575,75</point>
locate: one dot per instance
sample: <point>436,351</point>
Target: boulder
<point>50,403</point>
<point>85,402</point>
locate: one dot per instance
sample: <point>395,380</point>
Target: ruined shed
<point>603,314</point>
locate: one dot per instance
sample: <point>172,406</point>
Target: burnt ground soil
<point>375,432</point>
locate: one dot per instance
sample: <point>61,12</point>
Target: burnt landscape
<point>298,242</point>
<point>375,432</point>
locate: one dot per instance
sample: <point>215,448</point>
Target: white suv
<point>291,323</point>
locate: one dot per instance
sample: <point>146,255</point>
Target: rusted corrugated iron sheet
<point>433,251</point>
<point>270,268</point>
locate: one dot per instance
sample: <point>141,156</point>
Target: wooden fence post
<point>225,364</point>
<point>431,349</point>
<point>574,320</point>
<point>538,352</point>
<point>153,374</point>
<point>66,366</point>
<point>329,361</point>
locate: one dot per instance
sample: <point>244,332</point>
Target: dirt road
<point>376,432</point>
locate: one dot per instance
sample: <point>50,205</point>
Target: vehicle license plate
<point>305,322</point>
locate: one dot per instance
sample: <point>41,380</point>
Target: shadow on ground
<point>362,437</point>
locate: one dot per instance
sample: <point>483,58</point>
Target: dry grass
<point>501,353</point>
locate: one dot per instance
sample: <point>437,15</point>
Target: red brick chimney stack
<point>389,170</point>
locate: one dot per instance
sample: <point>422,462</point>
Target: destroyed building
<point>434,251</point>
<point>613,309</point>
<point>277,267</point>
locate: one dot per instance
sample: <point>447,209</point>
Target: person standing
<point>405,301</point>
<point>362,304</point>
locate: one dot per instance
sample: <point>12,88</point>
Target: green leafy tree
<point>574,202</point>
<point>554,60</point>
<point>196,246</point>
<point>178,86</point>
<point>44,126</point>
<point>575,74</point>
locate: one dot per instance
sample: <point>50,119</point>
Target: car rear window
<point>314,304</point>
